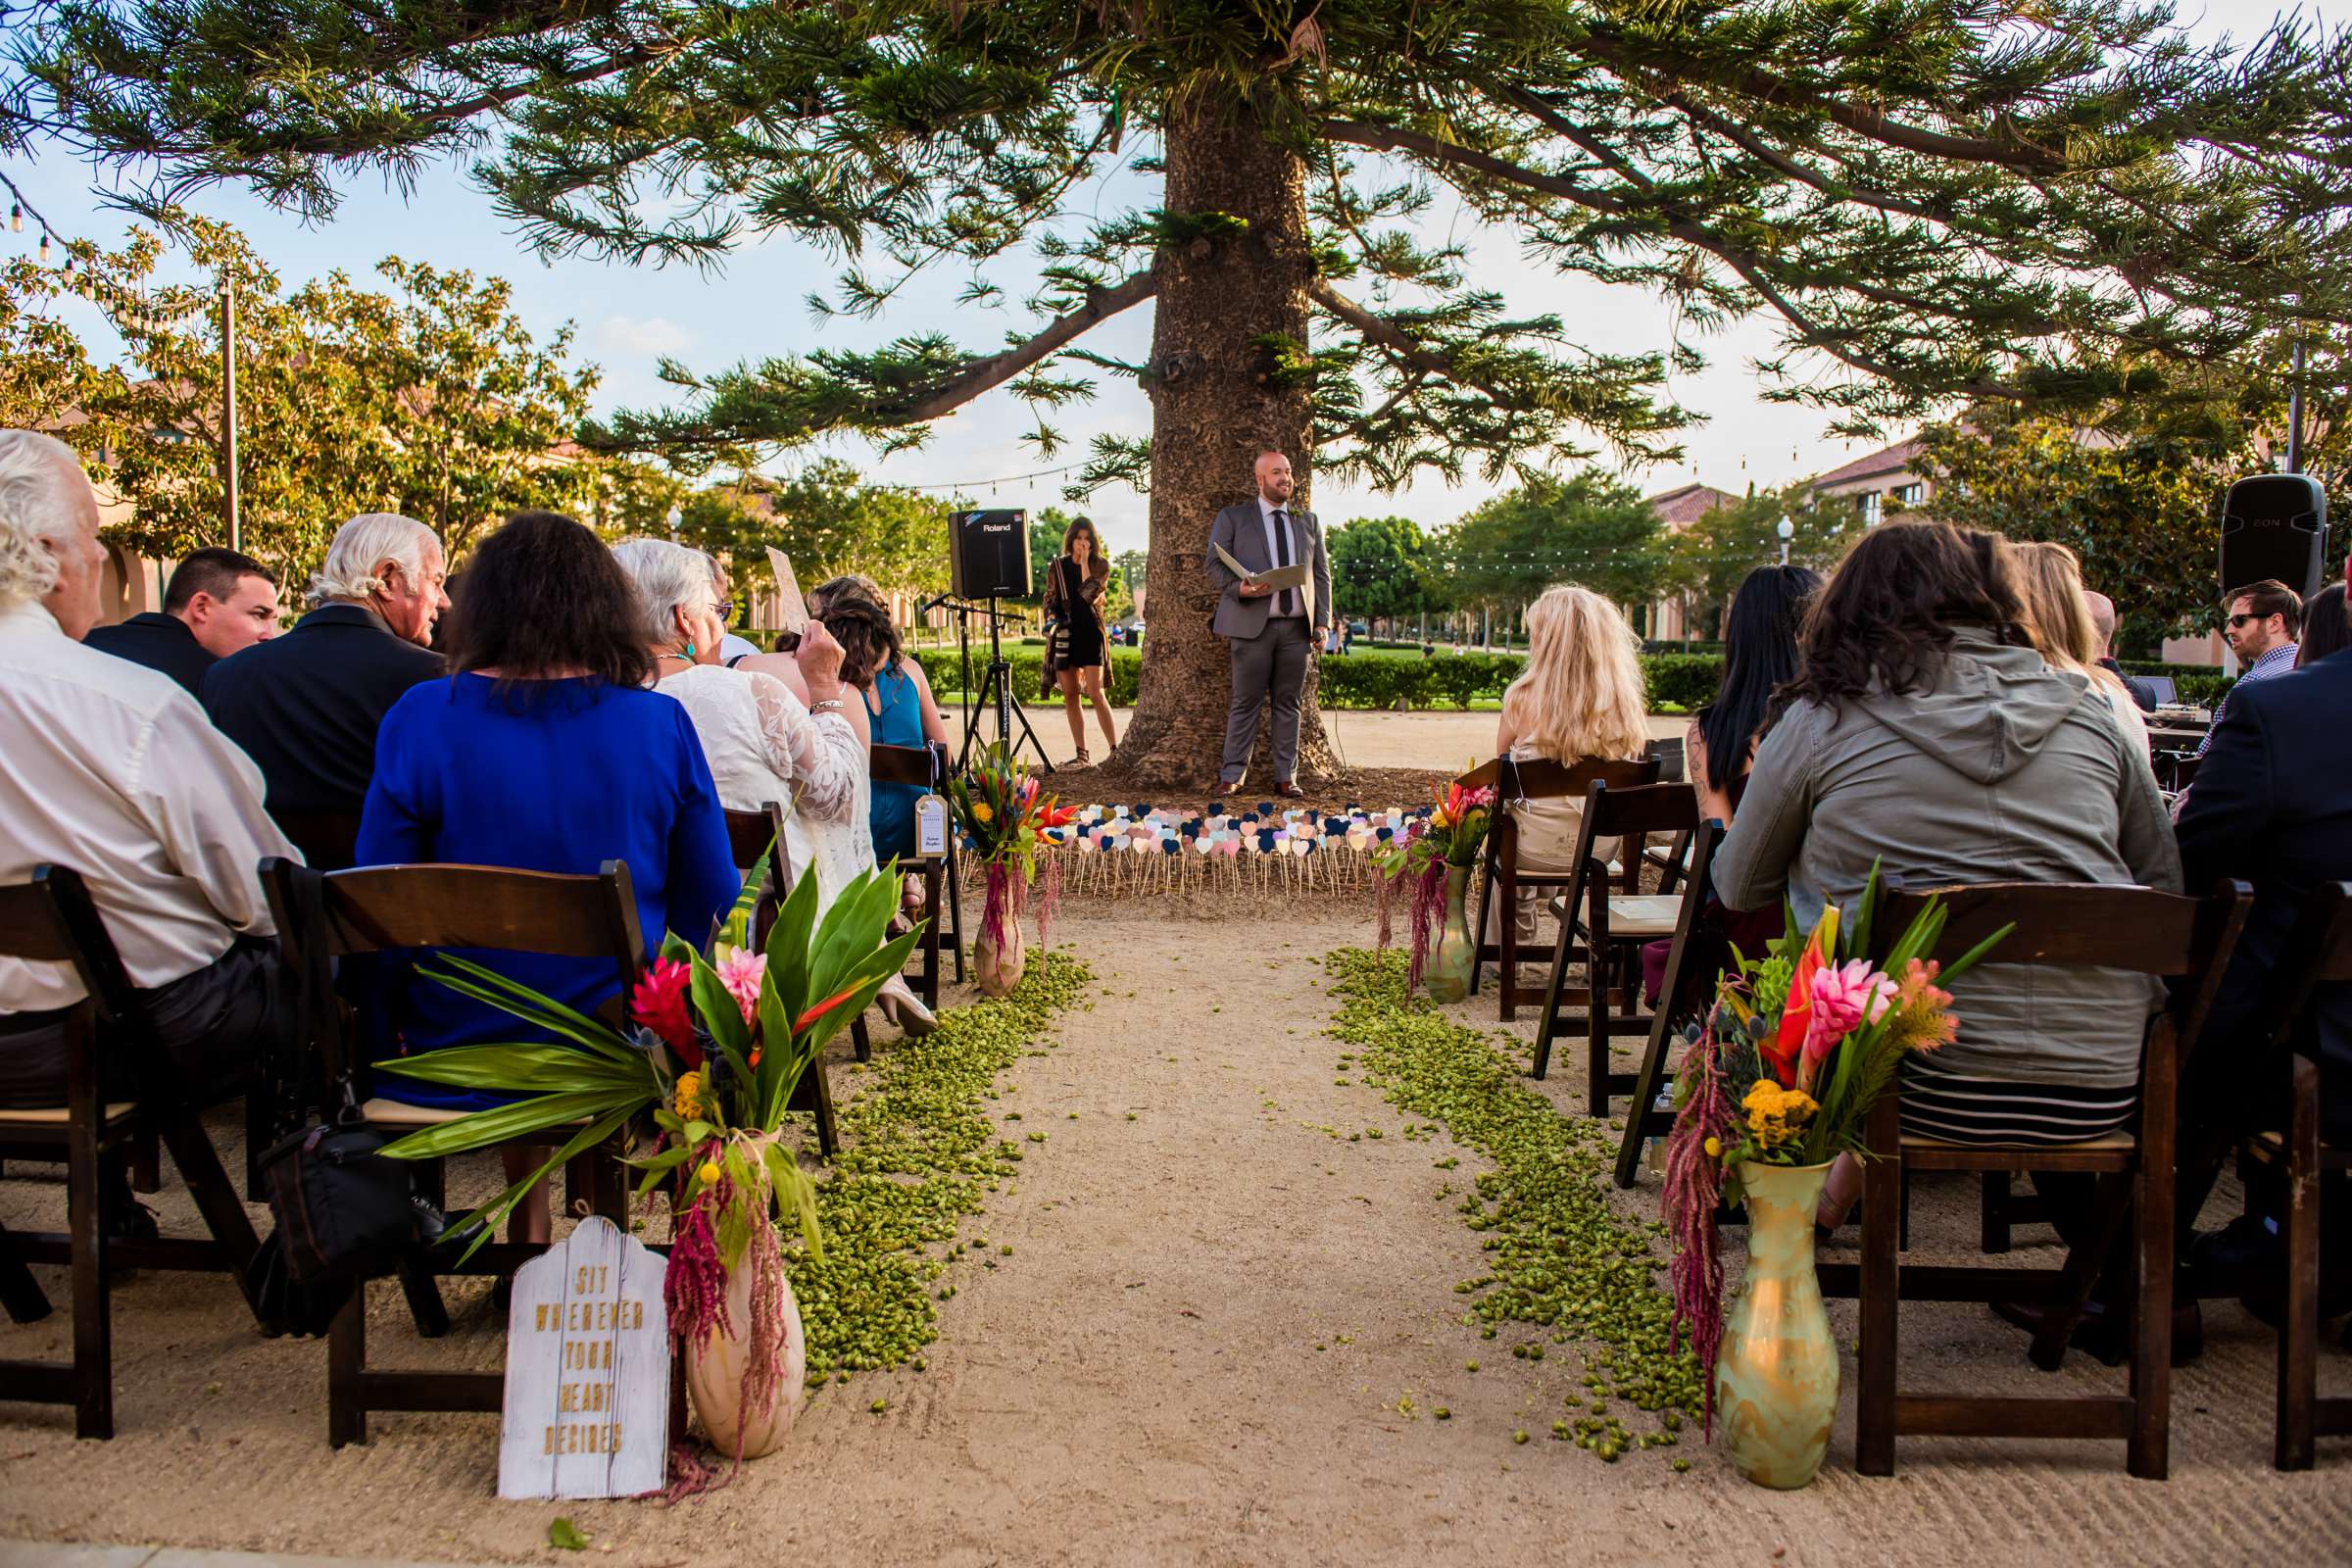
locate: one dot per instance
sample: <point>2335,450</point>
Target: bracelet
<point>831,705</point>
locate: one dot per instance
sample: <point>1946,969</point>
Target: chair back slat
<point>380,907</point>
<point>749,833</point>
<point>1540,778</point>
<point>904,764</point>
<point>53,919</point>
<point>2069,925</point>
<point>1612,811</point>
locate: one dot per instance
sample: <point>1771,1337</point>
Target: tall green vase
<point>1446,974</point>
<point>1776,1375</point>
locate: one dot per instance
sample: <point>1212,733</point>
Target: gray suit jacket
<point>1241,530</point>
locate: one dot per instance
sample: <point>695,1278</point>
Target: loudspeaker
<point>2274,525</point>
<point>987,554</point>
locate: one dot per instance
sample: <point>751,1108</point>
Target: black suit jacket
<point>305,705</point>
<point>160,642</point>
<point>2272,803</point>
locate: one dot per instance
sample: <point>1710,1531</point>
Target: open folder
<point>1294,576</point>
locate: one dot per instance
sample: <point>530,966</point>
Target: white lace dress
<point>764,745</point>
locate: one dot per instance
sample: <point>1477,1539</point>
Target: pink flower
<point>1919,985</point>
<point>1842,997</point>
<point>739,970</point>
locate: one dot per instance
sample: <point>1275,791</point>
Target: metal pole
<point>229,413</point>
<point>2294,415</point>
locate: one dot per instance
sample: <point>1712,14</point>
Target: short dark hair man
<point>2261,624</point>
<point>217,602</point>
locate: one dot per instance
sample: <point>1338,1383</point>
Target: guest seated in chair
<point>1923,733</point>
<point>1581,696</point>
<point>545,751</point>
<point>2272,804</point>
<point>217,603</point>
<point>305,705</point>
<point>111,771</point>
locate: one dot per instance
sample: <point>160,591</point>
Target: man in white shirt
<point>111,770</point>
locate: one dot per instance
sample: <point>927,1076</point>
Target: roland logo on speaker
<point>987,554</point>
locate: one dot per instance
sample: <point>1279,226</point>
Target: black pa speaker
<point>2274,525</point>
<point>987,554</point>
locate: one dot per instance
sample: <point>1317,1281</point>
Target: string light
<point>44,247</point>
<point>16,217</point>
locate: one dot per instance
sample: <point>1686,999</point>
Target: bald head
<point>1274,478</point>
<point>2102,620</point>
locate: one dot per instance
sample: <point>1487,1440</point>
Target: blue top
<point>898,720</point>
<point>559,776</point>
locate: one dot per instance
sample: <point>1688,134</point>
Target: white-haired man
<point>307,705</point>
<point>113,772</point>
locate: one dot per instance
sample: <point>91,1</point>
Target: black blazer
<point>160,642</point>
<point>2272,803</point>
<point>305,705</point>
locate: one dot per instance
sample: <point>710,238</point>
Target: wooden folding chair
<point>1611,926</point>
<point>52,921</point>
<point>750,835</point>
<point>394,908</point>
<point>919,766</point>
<point>1693,964</point>
<point>328,839</point>
<point>1538,779</point>
<point>2320,953</point>
<point>2063,926</point>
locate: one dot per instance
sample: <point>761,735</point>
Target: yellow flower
<point>708,1173</point>
<point>689,1097</point>
<point>1714,1148</point>
<point>1774,1115</point>
<point>982,812</point>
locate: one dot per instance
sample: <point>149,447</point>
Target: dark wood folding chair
<point>2064,926</point>
<point>395,909</point>
<point>1688,988</point>
<point>2320,953</point>
<point>1539,779</point>
<point>52,921</point>
<point>1611,926</point>
<point>328,839</point>
<point>750,835</point>
<point>920,765</point>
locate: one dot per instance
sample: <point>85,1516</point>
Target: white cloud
<point>646,338</point>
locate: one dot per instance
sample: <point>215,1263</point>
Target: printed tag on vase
<point>930,826</point>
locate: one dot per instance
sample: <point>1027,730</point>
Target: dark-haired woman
<point>2326,631</point>
<point>545,751</point>
<point>1923,732</point>
<point>1074,589</point>
<point>1759,657</point>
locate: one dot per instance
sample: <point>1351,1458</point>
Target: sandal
<point>1083,758</point>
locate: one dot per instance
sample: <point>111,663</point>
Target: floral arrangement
<point>1449,837</point>
<point>1005,818</point>
<point>1797,1048</point>
<point>720,1042</point>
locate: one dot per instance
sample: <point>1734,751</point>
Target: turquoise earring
<point>690,650</point>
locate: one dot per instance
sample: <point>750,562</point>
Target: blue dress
<point>898,720</point>
<point>559,775</point>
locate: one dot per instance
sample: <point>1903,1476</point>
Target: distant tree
<point>829,520</point>
<point>1708,559</point>
<point>1589,530</point>
<point>1380,567</point>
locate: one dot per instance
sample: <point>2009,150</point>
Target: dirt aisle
<point>1194,1351</point>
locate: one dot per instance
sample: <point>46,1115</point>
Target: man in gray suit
<point>1271,632</point>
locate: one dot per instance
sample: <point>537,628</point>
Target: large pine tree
<point>1937,199</point>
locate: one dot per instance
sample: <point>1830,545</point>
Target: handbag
<point>343,1209</point>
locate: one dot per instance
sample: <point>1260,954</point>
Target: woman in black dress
<point>1074,656</point>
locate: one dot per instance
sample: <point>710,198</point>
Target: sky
<point>627,319</point>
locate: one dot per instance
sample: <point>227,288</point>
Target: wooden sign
<point>587,1412</point>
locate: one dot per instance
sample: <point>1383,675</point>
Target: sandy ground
<point>1140,1382</point>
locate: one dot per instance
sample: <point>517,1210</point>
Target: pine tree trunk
<point>1226,312</point>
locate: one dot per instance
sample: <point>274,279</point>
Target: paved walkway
<point>51,1555</point>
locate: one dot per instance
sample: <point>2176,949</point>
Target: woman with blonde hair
<point>2048,578</point>
<point>1581,696</point>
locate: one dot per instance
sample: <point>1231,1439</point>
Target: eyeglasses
<point>724,609</point>
<point>2236,621</point>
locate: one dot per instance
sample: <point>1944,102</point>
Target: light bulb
<point>44,248</point>
<point>16,217</point>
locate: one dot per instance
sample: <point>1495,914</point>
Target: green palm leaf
<point>499,1124</point>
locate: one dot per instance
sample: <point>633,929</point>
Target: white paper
<point>791,610</point>
<point>1293,577</point>
<point>930,826</point>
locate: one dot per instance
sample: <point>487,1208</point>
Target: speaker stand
<point>996,691</point>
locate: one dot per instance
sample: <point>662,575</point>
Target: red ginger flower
<point>661,1001</point>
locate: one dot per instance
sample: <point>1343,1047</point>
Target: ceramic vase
<point>1446,975</point>
<point>1776,1375</point>
<point>715,1376</point>
<point>1000,961</point>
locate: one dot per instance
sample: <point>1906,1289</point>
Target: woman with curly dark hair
<point>1923,732</point>
<point>545,750</point>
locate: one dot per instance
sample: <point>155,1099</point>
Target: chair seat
<point>59,1115</point>
<point>1646,914</point>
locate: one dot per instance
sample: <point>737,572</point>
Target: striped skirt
<point>1959,1108</point>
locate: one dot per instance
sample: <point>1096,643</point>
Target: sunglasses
<point>724,609</point>
<point>2236,621</point>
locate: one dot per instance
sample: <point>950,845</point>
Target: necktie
<point>1283,603</point>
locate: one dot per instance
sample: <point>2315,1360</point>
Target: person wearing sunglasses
<point>2264,620</point>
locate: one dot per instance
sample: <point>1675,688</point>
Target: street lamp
<point>1788,531</point>
<point>673,519</point>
